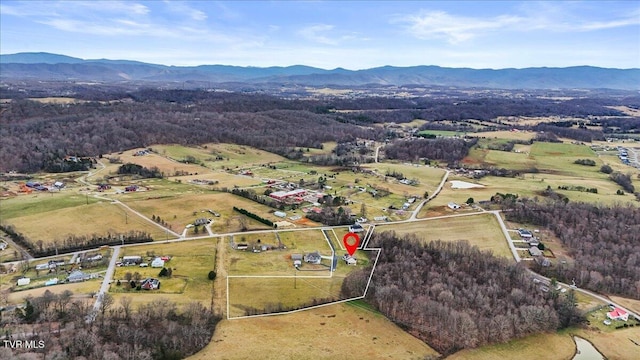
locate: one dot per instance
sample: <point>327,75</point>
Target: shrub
<point>606,169</point>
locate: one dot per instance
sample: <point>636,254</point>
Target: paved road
<point>505,231</point>
<point>105,283</point>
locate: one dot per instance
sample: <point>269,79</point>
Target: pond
<point>586,351</point>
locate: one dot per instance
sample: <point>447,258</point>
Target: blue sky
<point>330,34</point>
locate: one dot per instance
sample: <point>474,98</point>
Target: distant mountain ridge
<point>51,67</point>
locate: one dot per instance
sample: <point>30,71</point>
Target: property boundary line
<point>373,268</point>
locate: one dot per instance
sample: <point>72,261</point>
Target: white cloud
<point>186,10</point>
<point>318,33</point>
<point>457,29</point>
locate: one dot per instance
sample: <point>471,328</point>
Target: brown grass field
<point>167,166</point>
<point>178,210</point>
<point>330,332</point>
<point>96,218</point>
<point>560,346</point>
<point>481,230</point>
<point>81,289</point>
<point>511,135</point>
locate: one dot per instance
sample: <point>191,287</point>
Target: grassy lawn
<point>38,203</point>
<point>190,261</point>
<point>278,262</point>
<point>322,333</point>
<point>480,230</point>
<point>180,210</point>
<point>296,291</point>
<point>96,218</point>
<point>541,346</point>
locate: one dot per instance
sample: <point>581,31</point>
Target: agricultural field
<point>167,166</point>
<point>299,289</point>
<point>55,222</point>
<point>327,332</point>
<point>530,185</point>
<point>190,262</point>
<point>481,230</point>
<point>180,210</point>
<point>218,156</point>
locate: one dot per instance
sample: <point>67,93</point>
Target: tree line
<point>74,242</point>
<point>454,296</point>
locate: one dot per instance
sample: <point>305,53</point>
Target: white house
<point>157,263</point>
<point>453,206</point>
<point>356,228</point>
<point>24,281</point>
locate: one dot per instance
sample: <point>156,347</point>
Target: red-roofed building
<point>618,314</point>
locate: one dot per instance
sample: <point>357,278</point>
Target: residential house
<point>131,260</point>
<point>534,251</point>
<point>77,276</point>
<point>150,284</point>
<point>356,228</point>
<point>349,260</point>
<point>525,234</point>
<point>313,258</point>
<point>24,281</point>
<point>618,314</point>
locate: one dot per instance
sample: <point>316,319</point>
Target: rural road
<point>118,202</point>
<point>378,152</point>
<point>505,231</point>
<point>589,293</point>
<point>105,282</point>
<point>415,212</point>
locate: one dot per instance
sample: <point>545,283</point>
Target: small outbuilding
<point>453,206</point>
<point>24,281</point>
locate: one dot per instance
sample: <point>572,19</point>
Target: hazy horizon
<point>329,35</point>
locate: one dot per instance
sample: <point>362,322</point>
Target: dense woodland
<point>603,241</point>
<point>446,149</point>
<point>453,296</point>
<point>157,330</point>
<point>37,136</point>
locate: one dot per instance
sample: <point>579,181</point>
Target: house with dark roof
<point>313,258</point>
<point>150,284</point>
<point>77,276</point>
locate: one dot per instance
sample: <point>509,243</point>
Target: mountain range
<point>55,67</point>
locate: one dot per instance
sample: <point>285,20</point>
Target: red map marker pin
<point>351,248</point>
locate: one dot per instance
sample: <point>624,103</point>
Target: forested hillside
<point>603,241</point>
<point>453,296</point>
